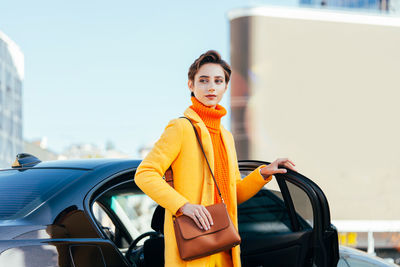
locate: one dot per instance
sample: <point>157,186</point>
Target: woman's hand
<point>199,215</point>
<point>273,168</point>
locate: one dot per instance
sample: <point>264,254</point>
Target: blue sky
<point>98,71</point>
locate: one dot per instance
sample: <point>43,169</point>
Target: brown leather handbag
<point>194,242</point>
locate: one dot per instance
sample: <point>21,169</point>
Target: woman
<point>193,184</point>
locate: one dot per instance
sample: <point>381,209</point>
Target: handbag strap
<point>202,149</point>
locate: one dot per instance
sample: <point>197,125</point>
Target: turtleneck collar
<point>210,116</point>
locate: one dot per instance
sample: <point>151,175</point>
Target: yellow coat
<point>177,147</point>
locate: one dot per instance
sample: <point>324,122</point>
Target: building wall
<point>322,88</point>
<point>11,79</point>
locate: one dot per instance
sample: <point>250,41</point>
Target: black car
<point>91,213</point>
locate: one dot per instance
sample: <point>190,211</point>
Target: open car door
<point>287,223</point>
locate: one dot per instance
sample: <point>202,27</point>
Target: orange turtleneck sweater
<point>212,119</point>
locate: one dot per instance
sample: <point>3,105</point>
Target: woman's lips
<point>211,96</point>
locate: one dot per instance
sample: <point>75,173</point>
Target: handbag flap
<point>190,230</point>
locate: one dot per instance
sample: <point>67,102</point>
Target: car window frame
<point>95,192</point>
<point>115,219</point>
<point>314,194</point>
<point>281,180</point>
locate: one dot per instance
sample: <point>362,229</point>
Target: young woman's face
<point>209,84</point>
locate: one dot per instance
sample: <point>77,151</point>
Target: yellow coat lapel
<point>205,138</point>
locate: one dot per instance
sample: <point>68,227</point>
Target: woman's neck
<point>210,116</point>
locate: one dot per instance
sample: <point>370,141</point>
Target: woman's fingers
<point>208,215</point>
<point>286,163</point>
<point>194,218</point>
<point>202,219</point>
<point>199,215</point>
<point>281,160</point>
<point>291,167</point>
<point>281,171</point>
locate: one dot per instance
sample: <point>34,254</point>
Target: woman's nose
<point>211,89</point>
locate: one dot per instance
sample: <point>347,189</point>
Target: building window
<point>7,126</point>
<point>1,71</point>
<point>8,79</point>
<point>1,49</point>
<point>360,4</point>
<point>1,99</point>
<point>8,96</point>
<point>1,153</point>
<point>18,130</point>
<point>18,88</point>
<point>11,129</point>
<point>18,109</point>
<point>8,150</point>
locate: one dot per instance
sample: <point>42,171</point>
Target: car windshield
<point>22,191</point>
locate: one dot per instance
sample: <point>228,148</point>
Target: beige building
<point>323,88</point>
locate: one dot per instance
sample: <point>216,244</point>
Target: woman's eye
<point>203,80</point>
<point>219,81</point>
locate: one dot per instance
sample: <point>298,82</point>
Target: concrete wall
<point>322,88</point>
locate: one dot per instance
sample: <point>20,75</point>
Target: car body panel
<point>62,252</point>
<point>61,221</point>
<point>349,256</point>
<point>64,224</point>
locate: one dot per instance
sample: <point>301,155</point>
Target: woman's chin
<point>209,103</point>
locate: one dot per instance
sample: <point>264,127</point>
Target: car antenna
<point>25,160</point>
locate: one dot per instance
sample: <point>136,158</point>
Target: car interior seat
<point>153,248</point>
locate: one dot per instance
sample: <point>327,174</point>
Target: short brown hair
<point>211,56</point>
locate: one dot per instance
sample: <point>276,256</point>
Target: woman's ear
<point>190,85</point>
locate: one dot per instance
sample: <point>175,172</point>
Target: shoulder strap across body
<point>169,175</point>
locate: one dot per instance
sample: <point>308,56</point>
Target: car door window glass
<point>135,211</point>
<point>342,263</point>
<point>302,205</point>
<point>104,220</point>
<point>265,213</point>
<point>124,211</point>
<point>272,185</point>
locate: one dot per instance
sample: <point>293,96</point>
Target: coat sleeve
<point>249,185</point>
<point>149,174</point>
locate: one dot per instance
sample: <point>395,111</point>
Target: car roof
<point>83,174</point>
<point>88,164</point>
